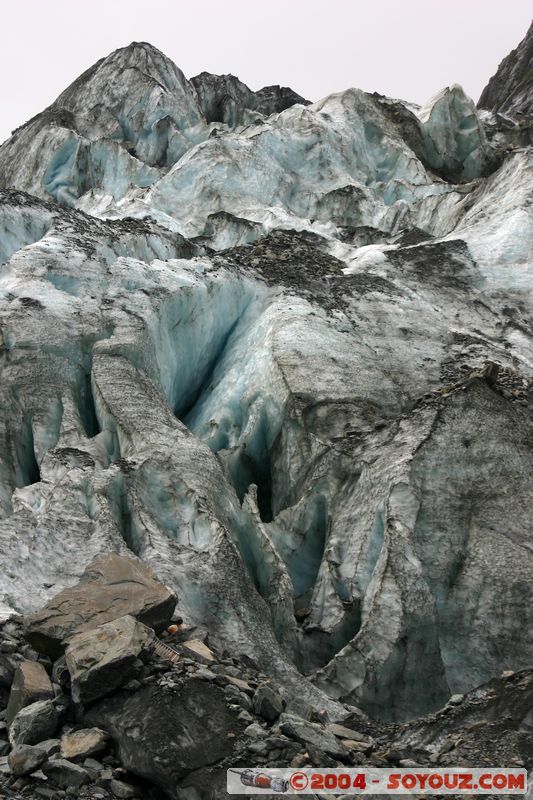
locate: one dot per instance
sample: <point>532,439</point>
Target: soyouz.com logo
<point>457,780</point>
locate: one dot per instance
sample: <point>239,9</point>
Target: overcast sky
<point>402,48</point>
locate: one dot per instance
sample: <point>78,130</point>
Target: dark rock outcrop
<point>226,99</point>
<point>223,98</point>
<point>510,90</point>
<point>273,99</point>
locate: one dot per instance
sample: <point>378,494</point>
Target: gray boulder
<point>101,660</point>
<point>64,774</point>
<point>111,587</point>
<point>25,759</point>
<point>34,723</point>
<point>30,684</point>
<point>163,734</point>
<point>123,790</point>
<point>50,746</point>
<point>267,702</point>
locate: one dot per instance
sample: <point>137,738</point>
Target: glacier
<point>281,352</point>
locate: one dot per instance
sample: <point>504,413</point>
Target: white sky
<point>403,48</point>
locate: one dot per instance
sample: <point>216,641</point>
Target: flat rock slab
<point>111,587</point>
<point>356,744</point>
<point>342,732</point>
<point>311,735</point>
<point>83,743</point>
<point>64,774</point>
<point>101,660</point>
<point>30,684</point>
<point>244,686</point>
<point>194,648</point>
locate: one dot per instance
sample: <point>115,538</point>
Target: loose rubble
<point>191,712</point>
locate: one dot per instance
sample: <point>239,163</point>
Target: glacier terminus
<point>280,352</point>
